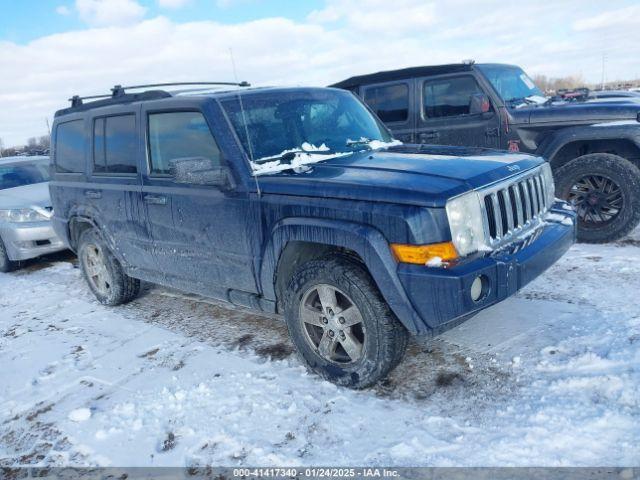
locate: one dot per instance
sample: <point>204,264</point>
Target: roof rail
<point>119,90</point>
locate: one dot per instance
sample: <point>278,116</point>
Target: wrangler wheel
<point>605,189</point>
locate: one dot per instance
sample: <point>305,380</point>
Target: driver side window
<point>449,97</point>
<point>174,135</point>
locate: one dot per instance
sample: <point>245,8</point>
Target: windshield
<point>23,173</point>
<point>324,122</point>
<point>513,85</point>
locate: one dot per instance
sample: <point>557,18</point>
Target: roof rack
<point>119,90</point>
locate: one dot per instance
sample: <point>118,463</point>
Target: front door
<point>201,234</point>
<point>445,117</point>
<point>392,102</point>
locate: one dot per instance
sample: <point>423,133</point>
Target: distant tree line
<point>34,146</point>
<point>552,85</point>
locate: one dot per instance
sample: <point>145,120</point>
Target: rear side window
<point>449,97</point>
<point>174,135</point>
<point>69,150</point>
<point>115,144</point>
<point>390,103</point>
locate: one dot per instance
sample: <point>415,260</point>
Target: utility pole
<point>604,57</point>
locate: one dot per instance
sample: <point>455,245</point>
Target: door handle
<point>426,136</point>
<point>93,193</point>
<point>155,199</point>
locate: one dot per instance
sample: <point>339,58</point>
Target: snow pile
<point>550,377</point>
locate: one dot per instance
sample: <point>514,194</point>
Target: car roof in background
<point>22,159</point>
<point>411,72</point>
<point>613,93</point>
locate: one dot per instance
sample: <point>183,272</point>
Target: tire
<point>6,264</point>
<point>102,271</point>
<point>382,338</point>
<point>606,191</point>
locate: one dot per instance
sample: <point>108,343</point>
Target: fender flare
<point>366,241</point>
<point>91,216</point>
<point>554,143</point>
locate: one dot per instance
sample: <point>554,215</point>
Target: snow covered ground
<point>550,377</point>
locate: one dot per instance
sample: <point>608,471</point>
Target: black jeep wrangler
<point>593,148</point>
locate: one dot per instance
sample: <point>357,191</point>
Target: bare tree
<point>552,85</point>
<point>32,142</point>
<point>44,142</point>
<point>1,148</point>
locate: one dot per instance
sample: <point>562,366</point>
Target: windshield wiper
<point>362,141</point>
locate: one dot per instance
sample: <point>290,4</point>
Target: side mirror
<point>478,104</point>
<point>200,171</point>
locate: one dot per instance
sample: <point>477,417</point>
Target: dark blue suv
<point>298,201</point>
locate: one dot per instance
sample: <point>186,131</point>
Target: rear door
<point>392,102</point>
<point>445,117</point>
<point>114,187</point>
<point>202,235</point>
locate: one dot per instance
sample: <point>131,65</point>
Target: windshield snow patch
<point>307,155</point>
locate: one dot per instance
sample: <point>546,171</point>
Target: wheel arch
<point>294,240</point>
<point>576,142</point>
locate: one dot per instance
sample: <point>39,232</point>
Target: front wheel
<point>340,324</point>
<point>6,265</point>
<point>605,190</point>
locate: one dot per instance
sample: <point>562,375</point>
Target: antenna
<point>244,121</point>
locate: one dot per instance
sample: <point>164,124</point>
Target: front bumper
<point>441,296</point>
<point>29,240</point>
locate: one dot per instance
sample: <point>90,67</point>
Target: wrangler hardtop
<point>592,146</point>
<point>299,202</point>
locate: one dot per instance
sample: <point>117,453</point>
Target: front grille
<point>515,206</point>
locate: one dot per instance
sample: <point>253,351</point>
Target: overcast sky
<point>52,49</point>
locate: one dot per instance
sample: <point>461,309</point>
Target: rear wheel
<point>103,272</point>
<point>605,190</point>
<point>340,324</point>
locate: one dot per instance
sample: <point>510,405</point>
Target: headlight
<point>465,221</point>
<point>20,215</point>
<point>549,186</point>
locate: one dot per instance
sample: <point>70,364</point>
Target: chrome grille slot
<point>514,206</point>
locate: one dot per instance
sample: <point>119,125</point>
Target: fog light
<point>478,288</point>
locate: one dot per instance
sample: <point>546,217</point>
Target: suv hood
<point>36,194</point>
<point>577,112</point>
<point>408,174</point>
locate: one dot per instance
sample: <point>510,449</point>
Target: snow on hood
<point>533,100</point>
<point>308,156</point>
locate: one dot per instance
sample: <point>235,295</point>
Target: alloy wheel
<point>597,198</point>
<point>96,270</point>
<point>332,324</point>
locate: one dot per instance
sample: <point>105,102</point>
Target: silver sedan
<point>25,211</point>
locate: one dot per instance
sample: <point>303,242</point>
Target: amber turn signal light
<point>421,254</point>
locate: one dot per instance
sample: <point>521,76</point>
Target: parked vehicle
<point>297,201</point>
<point>613,96</point>
<point>25,211</point>
<point>593,147</point>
